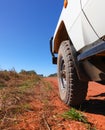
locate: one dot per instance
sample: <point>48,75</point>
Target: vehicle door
<point>94,11</point>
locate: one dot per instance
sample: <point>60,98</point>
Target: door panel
<point>95,12</point>
<point>83,2</point>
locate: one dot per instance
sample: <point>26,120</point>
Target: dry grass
<point>15,90</point>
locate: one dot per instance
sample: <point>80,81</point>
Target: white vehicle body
<point>84,22</point>
<point>79,41</point>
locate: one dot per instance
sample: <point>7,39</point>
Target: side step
<point>94,50</point>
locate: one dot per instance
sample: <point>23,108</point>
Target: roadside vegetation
<point>73,114</point>
<point>15,90</point>
<point>53,75</point>
<point>26,97</point>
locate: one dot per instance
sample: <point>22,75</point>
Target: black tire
<point>72,90</point>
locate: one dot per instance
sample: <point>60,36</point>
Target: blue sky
<point>25,30</point>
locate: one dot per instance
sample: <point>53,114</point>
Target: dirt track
<point>94,106</point>
<point>47,106</point>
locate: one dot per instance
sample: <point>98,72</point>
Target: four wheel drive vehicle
<point>78,48</point>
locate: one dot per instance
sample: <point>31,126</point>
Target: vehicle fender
<point>61,35</point>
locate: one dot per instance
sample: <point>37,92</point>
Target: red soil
<point>47,107</point>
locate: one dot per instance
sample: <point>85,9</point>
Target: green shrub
<point>75,115</point>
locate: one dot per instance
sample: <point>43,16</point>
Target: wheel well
<point>61,35</point>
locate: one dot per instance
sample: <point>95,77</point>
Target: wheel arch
<point>60,36</point>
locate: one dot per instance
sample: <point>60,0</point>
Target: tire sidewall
<point>76,90</point>
<point>63,92</point>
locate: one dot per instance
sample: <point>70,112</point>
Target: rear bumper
<point>54,58</point>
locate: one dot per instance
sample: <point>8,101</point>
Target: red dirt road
<point>94,107</point>
<point>46,110</point>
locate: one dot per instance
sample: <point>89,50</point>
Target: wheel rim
<point>63,75</point>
